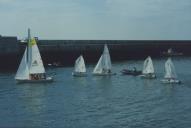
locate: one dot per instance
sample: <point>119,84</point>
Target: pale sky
<point>97,19</point>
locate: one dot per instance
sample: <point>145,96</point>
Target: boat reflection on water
<point>33,101</point>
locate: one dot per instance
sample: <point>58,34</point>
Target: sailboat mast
<point>29,34</point>
<point>28,43</point>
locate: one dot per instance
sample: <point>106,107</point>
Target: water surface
<point>99,102</point>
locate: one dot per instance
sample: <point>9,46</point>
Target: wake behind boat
<point>31,68</point>
<point>170,73</point>
<point>148,69</point>
<point>104,66</point>
<point>79,68</point>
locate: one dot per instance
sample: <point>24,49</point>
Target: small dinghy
<point>55,64</point>
<point>170,73</point>
<point>148,69</point>
<point>79,68</point>
<point>171,52</point>
<point>133,72</point>
<point>31,68</point>
<point>103,67</point>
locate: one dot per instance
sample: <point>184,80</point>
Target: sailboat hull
<point>148,76</point>
<point>104,74</point>
<point>79,74</point>
<point>171,81</point>
<point>130,72</point>
<point>47,80</point>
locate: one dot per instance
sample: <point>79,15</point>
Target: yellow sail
<point>32,42</point>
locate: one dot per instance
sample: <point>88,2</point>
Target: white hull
<point>148,76</point>
<point>171,81</point>
<point>104,74</point>
<point>79,74</point>
<point>47,80</point>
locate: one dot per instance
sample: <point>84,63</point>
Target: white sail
<point>104,63</point>
<point>80,65</point>
<point>148,66</point>
<point>98,68</point>
<point>106,58</point>
<point>170,69</point>
<point>35,60</point>
<point>23,71</point>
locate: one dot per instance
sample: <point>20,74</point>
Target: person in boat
<point>168,79</point>
<point>38,76</point>
<point>32,77</point>
<point>134,69</point>
<point>104,70</point>
<point>42,76</point>
<point>150,74</point>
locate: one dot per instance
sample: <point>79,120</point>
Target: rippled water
<point>98,102</point>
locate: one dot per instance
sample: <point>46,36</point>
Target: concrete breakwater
<point>66,51</point>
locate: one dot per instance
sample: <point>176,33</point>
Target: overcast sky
<point>97,19</point>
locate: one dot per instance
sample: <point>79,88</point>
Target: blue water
<point>99,102</point>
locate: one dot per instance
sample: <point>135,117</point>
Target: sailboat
<point>79,68</point>
<point>104,65</point>
<point>170,73</point>
<point>148,69</point>
<point>31,68</point>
